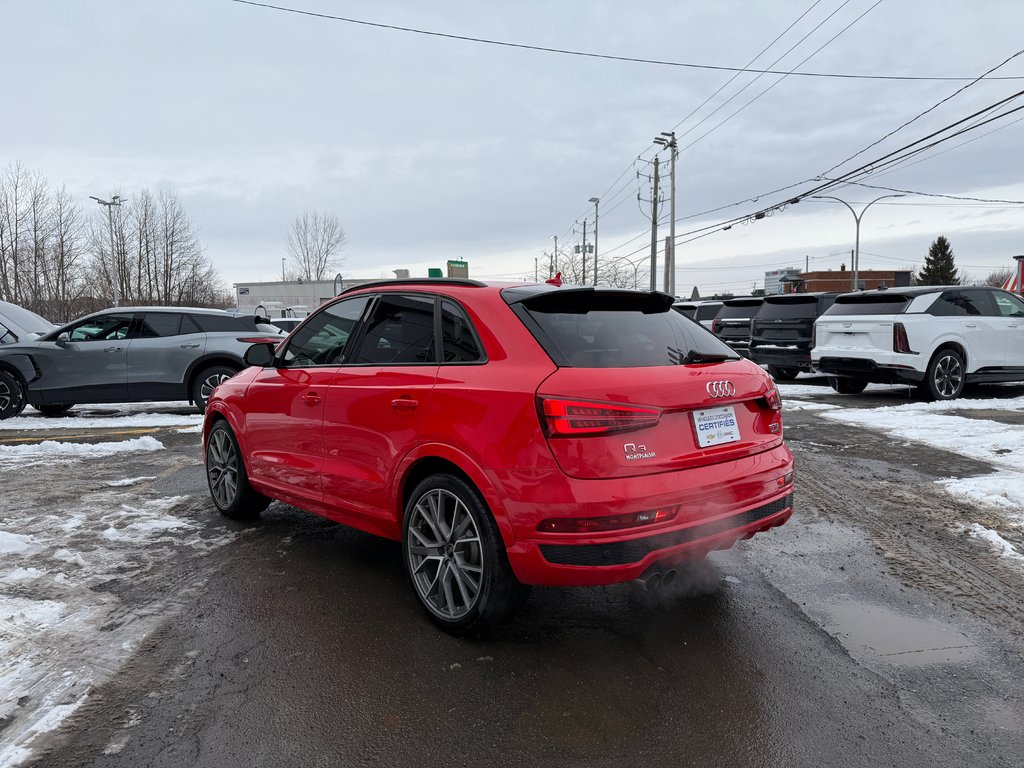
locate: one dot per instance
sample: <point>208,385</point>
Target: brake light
<point>606,523</point>
<point>275,340</point>
<point>900,342</point>
<point>577,417</point>
<point>773,399</point>
<point>814,335</point>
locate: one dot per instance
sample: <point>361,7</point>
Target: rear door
<point>284,404</point>
<point>640,390</point>
<point>160,354</point>
<point>376,402</point>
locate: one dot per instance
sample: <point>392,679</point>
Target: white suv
<point>939,338</point>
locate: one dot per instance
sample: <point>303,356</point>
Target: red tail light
<point>275,340</point>
<point>814,334</point>
<point>578,417</point>
<point>773,399</point>
<point>608,523</point>
<point>900,342</point>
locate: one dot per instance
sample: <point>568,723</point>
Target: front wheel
<point>847,386</point>
<point>227,478</point>
<point>455,558</point>
<point>12,395</point>
<point>945,376</point>
<point>783,374</point>
<point>207,381</point>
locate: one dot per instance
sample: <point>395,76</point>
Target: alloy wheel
<point>6,396</point>
<point>222,468</point>
<point>210,383</point>
<point>949,376</point>
<point>445,557</point>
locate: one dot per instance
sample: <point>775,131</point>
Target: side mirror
<point>259,355</point>
<point>64,338</point>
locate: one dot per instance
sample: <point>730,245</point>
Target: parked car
<point>701,311</point>
<point>781,333</point>
<point>130,354</point>
<point>507,436</point>
<point>287,324</point>
<point>937,338</point>
<point>19,324</point>
<point>732,323</point>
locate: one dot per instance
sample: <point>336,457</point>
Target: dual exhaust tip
<point>653,580</point>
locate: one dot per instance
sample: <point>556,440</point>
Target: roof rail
<point>417,281</point>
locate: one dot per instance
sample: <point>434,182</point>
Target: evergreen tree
<point>939,268</point>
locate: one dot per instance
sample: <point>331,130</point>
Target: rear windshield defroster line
<point>607,329</point>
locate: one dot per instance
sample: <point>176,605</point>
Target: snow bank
<point>998,544</point>
<point>52,452</point>
<point>114,421</point>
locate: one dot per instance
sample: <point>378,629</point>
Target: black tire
<point>945,376</point>
<point>227,478</point>
<point>205,382</point>
<point>783,374</point>
<point>847,386</point>
<point>449,594</point>
<point>54,409</point>
<point>12,395</point>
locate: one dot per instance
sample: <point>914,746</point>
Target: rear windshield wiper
<point>694,357</point>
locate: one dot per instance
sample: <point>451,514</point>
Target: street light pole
<point>554,264</point>
<point>115,278</point>
<point>667,139</point>
<point>283,278</point>
<point>856,217</point>
<point>595,201</point>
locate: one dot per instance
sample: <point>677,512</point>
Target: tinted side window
<point>399,332</point>
<point>220,323</point>
<point>945,305</point>
<point>188,325</point>
<point>459,344</point>
<point>1008,306</point>
<point>158,324</point>
<point>978,303</point>
<point>102,328</point>
<point>323,340</point>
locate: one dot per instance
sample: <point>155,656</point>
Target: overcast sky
<point>428,149</point>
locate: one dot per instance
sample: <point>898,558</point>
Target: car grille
<point>635,550</point>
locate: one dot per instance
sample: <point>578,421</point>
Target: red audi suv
<point>507,435</point>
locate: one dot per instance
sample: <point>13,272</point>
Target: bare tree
<point>616,271</point>
<point>315,239</point>
<point>1000,276</point>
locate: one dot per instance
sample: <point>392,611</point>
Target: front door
<point>91,365</point>
<point>376,405</point>
<point>284,404</point>
<point>1011,314</point>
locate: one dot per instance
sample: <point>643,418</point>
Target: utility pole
<point>668,139</point>
<point>654,230</point>
<point>554,265</point>
<point>595,201</point>
<point>116,277</point>
<point>283,279</point>
<point>583,253</point>
<point>536,277</point>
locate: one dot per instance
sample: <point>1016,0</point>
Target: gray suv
<point>132,354</point>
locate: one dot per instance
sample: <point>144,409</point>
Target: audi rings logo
<point>721,388</point>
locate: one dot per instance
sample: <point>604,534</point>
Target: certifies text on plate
<point>716,426</point>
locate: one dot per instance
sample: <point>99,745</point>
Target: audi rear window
<point>789,309</point>
<point>608,329</point>
<point>870,304</point>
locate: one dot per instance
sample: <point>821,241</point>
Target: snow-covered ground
<point>66,568</point>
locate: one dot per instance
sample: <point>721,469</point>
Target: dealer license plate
<point>716,426</point>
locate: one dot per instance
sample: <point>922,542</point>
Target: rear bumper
<point>782,357</point>
<point>718,505</point>
<point>878,372</point>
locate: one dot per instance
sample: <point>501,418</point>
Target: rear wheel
<point>207,381</point>
<point>12,395</point>
<point>783,374</point>
<point>54,409</point>
<point>847,386</point>
<point>226,476</point>
<point>455,558</point>
<point>945,377</point>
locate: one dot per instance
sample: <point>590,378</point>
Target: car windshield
<point>594,329</point>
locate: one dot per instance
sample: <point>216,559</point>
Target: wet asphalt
<point>300,644</point>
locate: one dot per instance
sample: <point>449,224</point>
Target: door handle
<point>404,403</point>
<point>311,398</point>
<point>971,325</point>
<point>190,346</point>
<point>112,349</point>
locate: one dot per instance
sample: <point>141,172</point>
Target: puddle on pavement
<point>897,638</point>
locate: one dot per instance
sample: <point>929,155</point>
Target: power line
<point>935,194</point>
<point>609,57</point>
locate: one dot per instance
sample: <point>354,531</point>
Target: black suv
<point>782,332</point>
<point>732,323</point>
